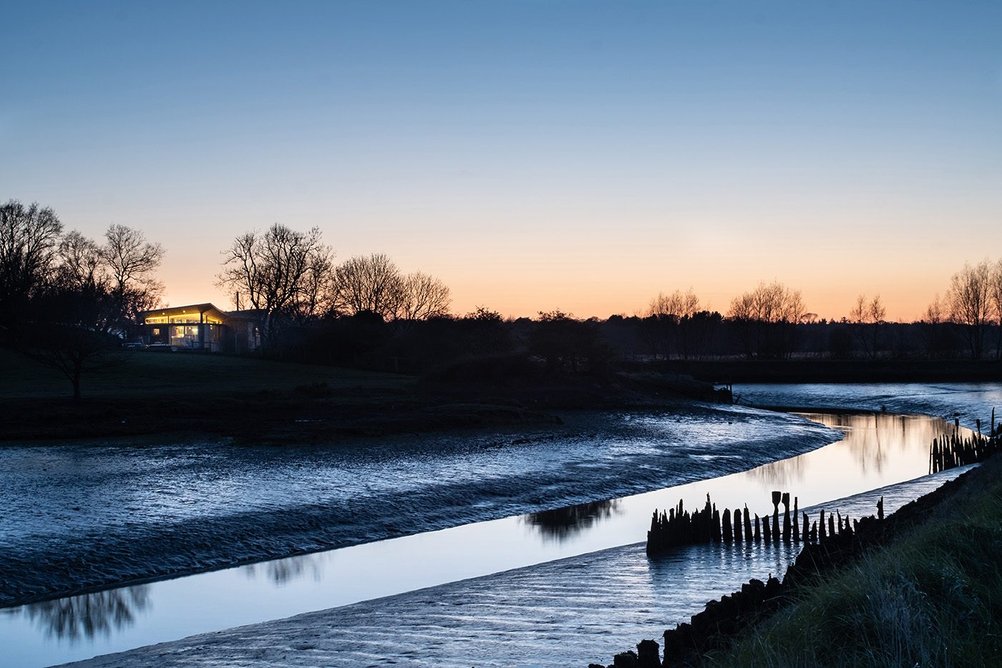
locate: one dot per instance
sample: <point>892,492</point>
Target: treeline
<point>66,300</point>
<point>291,279</point>
<point>483,344</point>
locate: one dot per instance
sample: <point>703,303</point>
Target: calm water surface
<point>877,450</point>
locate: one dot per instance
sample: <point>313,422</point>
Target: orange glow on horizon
<point>592,297</point>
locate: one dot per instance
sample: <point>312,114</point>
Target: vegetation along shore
<point>919,588</point>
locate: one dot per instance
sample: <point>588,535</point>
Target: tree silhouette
<point>132,262</point>
<point>369,283</point>
<point>423,297</point>
<point>29,236</point>
<point>969,300</point>
<point>276,272</point>
<point>867,318</point>
<point>766,318</point>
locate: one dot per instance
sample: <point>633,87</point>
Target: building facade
<point>200,327</point>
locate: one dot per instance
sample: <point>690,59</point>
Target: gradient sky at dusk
<point>532,154</point>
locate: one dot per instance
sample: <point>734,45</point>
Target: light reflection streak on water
<point>877,451</point>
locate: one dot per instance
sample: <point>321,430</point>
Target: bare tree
<point>423,297</point>
<point>969,301</point>
<point>669,323</point>
<point>868,318</point>
<point>276,272</point>
<point>995,291</point>
<point>28,239</point>
<point>772,303</point>
<point>369,283</point>
<point>132,262</point>
<point>316,296</point>
<point>676,306</point>
<point>765,315</point>
<point>80,262</point>
<point>73,330</point>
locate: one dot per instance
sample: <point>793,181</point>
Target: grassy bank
<point>932,597</point>
<point>146,374</point>
<point>268,401</point>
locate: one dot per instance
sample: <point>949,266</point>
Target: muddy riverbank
<point>87,516</point>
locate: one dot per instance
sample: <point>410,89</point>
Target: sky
<point>533,154</point>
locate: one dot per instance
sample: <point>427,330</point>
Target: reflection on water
<point>563,523</point>
<point>282,571</point>
<point>873,444</point>
<point>88,615</point>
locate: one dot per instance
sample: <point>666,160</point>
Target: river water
<point>586,575</point>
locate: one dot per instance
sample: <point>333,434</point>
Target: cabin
<point>201,327</point>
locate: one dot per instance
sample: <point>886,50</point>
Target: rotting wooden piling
<point>710,524</point>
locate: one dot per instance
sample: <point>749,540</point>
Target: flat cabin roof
<point>190,309</point>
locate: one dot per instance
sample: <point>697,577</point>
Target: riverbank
<point>90,515</point>
<point>931,597</point>
<point>836,371</point>
<point>921,588</point>
<point>187,396</point>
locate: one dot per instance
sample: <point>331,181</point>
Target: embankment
<point>923,589</point>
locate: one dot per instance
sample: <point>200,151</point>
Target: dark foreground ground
<point>194,395</point>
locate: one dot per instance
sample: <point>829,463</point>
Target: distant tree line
<point>67,300</point>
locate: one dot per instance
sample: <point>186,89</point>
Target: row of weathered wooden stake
<point>680,527</point>
<point>951,451</point>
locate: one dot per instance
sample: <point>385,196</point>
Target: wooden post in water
<point>716,525</point>
<point>807,528</point>
<point>766,533</point>
<point>737,526</point>
<point>748,530</point>
<point>880,508</point>
<point>821,527</point>
<point>776,497</point>
<point>831,525</point>
<point>796,520</point>
<point>758,533</point>
<point>728,534</point>
<point>786,517</point>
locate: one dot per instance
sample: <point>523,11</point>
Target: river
<point>573,577</point>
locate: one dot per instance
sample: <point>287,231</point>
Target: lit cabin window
<point>156,331</point>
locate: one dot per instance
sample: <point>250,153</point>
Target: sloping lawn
<point>178,374</point>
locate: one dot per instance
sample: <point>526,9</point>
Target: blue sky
<point>581,155</point>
